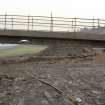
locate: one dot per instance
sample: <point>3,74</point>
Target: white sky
<point>65,8</point>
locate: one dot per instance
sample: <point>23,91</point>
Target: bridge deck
<point>57,35</point>
<point>53,27</point>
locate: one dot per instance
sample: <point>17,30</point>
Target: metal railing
<point>34,23</point>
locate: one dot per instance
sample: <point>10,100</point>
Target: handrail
<point>52,23</point>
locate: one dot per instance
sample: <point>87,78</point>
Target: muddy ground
<point>76,70</point>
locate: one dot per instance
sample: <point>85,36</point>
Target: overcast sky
<point>65,8</point>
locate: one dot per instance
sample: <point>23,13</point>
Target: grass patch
<point>21,50</point>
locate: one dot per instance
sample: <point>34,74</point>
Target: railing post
<point>51,25</point>
<point>72,25</point>
<point>98,23</point>
<point>12,22</point>
<point>75,24</point>
<point>32,23</point>
<point>5,21</point>
<point>28,22</point>
<point>93,23</point>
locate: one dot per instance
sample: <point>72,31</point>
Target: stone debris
<point>62,69</point>
<point>78,100</point>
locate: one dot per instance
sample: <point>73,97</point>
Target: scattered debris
<point>70,98</point>
<point>6,77</point>
<point>84,79</point>
<point>78,100</point>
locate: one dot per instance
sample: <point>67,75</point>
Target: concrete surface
<point>60,35</point>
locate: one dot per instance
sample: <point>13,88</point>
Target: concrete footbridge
<point>52,27</point>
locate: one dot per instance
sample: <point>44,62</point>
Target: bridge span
<point>53,35</point>
<point>52,27</point>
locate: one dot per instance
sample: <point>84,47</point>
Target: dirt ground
<point>77,75</point>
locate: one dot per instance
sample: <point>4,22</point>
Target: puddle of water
<point>6,46</point>
<point>7,50</point>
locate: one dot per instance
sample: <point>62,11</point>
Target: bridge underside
<point>54,35</point>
